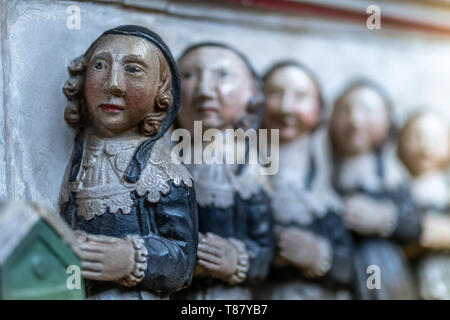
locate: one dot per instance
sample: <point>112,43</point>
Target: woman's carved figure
<point>133,208</point>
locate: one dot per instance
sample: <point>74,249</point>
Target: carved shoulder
<point>161,170</point>
<point>64,187</point>
<point>251,181</point>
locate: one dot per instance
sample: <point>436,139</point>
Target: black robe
<point>248,220</point>
<point>169,229</point>
<point>385,253</point>
<point>329,226</point>
<point>431,266</point>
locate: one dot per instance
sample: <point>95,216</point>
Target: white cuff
<point>324,261</point>
<point>388,212</point>
<point>243,263</point>
<point>140,262</point>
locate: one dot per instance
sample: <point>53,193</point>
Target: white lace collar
<point>294,161</point>
<point>217,184</point>
<point>431,190</point>
<point>291,201</point>
<point>289,197</point>
<point>359,171</point>
<point>101,185</point>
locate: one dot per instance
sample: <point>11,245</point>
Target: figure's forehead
<point>121,46</point>
<point>363,93</point>
<point>291,76</point>
<point>213,57</point>
<point>430,124</point>
<point>366,96</point>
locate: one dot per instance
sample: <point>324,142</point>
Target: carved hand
<point>105,258</point>
<point>368,217</point>
<point>435,231</point>
<point>218,256</point>
<point>200,271</point>
<point>297,246</point>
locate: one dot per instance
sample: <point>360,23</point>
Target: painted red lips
<point>111,108</point>
<point>207,110</point>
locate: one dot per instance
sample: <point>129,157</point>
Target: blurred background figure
<point>313,248</point>
<point>376,207</point>
<point>221,91</point>
<point>424,149</point>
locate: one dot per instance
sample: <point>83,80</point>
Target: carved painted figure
<point>376,205</point>
<point>424,148</point>
<point>220,89</point>
<point>133,208</point>
<point>313,248</point>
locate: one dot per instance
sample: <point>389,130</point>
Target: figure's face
<point>359,122</point>
<point>292,103</point>
<point>425,145</point>
<point>122,77</point>
<point>216,87</point>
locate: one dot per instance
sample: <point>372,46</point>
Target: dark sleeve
<point>68,211</point>
<point>408,227</point>
<point>172,247</point>
<point>341,241</point>
<point>260,240</point>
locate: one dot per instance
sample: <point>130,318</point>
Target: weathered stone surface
<point>3,193</point>
<point>35,142</point>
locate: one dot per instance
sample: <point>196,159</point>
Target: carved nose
<point>356,118</point>
<point>287,103</point>
<point>115,85</point>
<point>117,91</point>
<point>426,146</point>
<point>204,87</point>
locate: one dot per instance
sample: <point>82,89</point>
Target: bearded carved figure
<point>313,257</point>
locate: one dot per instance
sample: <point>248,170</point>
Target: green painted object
<point>36,258</point>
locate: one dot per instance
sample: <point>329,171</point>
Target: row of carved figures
<point>341,218</point>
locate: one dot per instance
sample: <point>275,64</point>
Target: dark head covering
<point>140,158</point>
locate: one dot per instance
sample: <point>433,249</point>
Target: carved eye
<point>223,74</point>
<point>133,69</point>
<point>274,93</point>
<point>99,65</point>
<point>186,75</point>
<point>300,95</point>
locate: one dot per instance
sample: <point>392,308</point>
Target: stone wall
<point>37,45</point>
<point>2,114</point>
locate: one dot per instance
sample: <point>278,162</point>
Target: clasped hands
<point>367,216</point>
<point>218,257</point>
<point>296,246</point>
<point>104,258</point>
<point>435,231</point>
